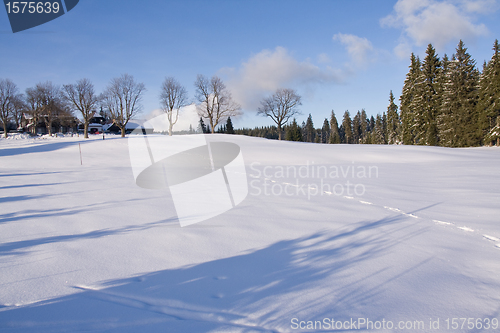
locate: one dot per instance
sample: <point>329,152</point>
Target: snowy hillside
<point>349,234</point>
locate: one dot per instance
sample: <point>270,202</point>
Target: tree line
<point>445,102</point>
<point>449,102</point>
<point>122,98</point>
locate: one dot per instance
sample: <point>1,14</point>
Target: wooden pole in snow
<point>80,147</point>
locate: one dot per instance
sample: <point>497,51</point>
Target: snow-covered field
<point>412,236</point>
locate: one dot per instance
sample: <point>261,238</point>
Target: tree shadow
<point>252,292</point>
<point>14,248</point>
<point>28,174</point>
<point>39,148</point>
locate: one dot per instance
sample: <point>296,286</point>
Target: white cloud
<point>437,22</point>
<point>357,47</point>
<point>403,50</point>
<point>323,58</point>
<point>269,70</point>
<point>479,6</point>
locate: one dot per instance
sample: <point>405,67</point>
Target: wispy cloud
<point>269,70</point>
<point>437,22</point>
<point>358,48</point>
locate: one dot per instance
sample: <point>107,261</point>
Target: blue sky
<point>338,54</point>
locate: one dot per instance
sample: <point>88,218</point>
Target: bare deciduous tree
<point>280,107</point>
<point>19,108</point>
<point>173,97</point>
<point>33,108</point>
<point>45,101</point>
<point>8,96</point>
<point>82,97</point>
<point>216,102</point>
<point>123,100</point>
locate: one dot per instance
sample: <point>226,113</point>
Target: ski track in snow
<point>397,210</point>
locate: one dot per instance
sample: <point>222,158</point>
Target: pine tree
<point>393,122</point>
<point>347,127</point>
<point>408,106</point>
<point>428,99</point>
<point>334,129</point>
<point>293,132</point>
<point>309,130</point>
<point>229,126</point>
<point>371,128</point>
<point>493,137</point>
<point>356,128</point>
<point>489,94</point>
<point>378,132</point>
<point>325,131</point>
<point>384,126</point>
<point>443,116</point>
<point>365,126</point>
<point>202,128</point>
<point>458,125</point>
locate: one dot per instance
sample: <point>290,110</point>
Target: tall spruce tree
<point>378,132</point>
<point>202,128</point>
<point>356,128</point>
<point>489,94</point>
<point>442,79</point>
<point>309,131</point>
<point>325,131</point>
<point>365,126</point>
<point>347,127</point>
<point>428,99</point>
<point>229,126</point>
<point>334,129</point>
<point>408,104</point>
<point>393,122</point>
<point>459,126</point>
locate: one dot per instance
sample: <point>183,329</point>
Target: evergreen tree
<point>325,131</point>
<point>347,127</point>
<point>408,106</point>
<point>202,128</point>
<point>384,126</point>
<point>458,126</point>
<point>293,132</point>
<point>372,123</point>
<point>442,79</point>
<point>393,122</point>
<point>371,129</point>
<point>428,99</point>
<point>365,126</point>
<point>489,94</point>
<point>493,137</point>
<point>356,128</point>
<point>229,126</point>
<point>334,129</point>
<point>222,129</point>
<point>317,136</point>
<point>378,135</point>
<point>342,134</point>
<point>309,130</point>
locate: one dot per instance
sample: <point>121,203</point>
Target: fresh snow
<point>82,248</point>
